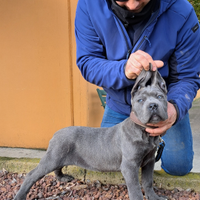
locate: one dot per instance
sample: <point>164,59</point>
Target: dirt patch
<point>49,188</point>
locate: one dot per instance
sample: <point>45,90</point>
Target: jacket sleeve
<point>91,54</point>
<point>185,66</point>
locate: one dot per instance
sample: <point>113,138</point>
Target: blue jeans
<point>177,157</point>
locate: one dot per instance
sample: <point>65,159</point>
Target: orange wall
<point>41,89</point>
<point>87,109</point>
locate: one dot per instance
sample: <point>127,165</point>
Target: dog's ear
<point>158,81</point>
<point>141,81</point>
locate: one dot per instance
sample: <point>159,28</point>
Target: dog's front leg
<point>147,181</point>
<point>130,172</point>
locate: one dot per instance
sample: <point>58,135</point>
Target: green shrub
<point>196,5</point>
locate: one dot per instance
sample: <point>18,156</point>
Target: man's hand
<point>165,125</point>
<point>138,61</point>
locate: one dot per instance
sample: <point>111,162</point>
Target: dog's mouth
<point>155,119</point>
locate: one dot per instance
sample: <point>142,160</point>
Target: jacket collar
<point>164,5</point>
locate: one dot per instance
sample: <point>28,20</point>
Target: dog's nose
<point>153,107</point>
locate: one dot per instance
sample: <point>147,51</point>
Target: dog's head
<point>149,97</point>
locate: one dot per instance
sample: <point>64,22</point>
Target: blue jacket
<point>171,35</point>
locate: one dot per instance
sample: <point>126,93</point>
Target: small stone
<point>189,190</point>
<point>79,187</point>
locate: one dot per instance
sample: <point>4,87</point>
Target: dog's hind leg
<point>47,164</point>
<point>62,177</point>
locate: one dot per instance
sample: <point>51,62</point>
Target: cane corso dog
<point>125,147</point>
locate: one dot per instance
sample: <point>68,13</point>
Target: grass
<point>196,5</point>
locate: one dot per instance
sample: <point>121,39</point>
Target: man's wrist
<point>176,108</point>
<point>128,78</point>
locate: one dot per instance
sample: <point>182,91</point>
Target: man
<point>116,40</point>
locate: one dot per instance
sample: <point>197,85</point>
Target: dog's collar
<point>138,122</point>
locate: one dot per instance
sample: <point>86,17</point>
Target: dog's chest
<point>151,142</point>
<point>150,147</point>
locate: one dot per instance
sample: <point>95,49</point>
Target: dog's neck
<point>138,122</point>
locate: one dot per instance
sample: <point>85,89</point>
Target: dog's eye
<point>160,97</point>
<point>140,100</point>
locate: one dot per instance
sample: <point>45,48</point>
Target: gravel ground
<point>49,188</point>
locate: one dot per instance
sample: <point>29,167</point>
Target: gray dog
<point>124,147</point>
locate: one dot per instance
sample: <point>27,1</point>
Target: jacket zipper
<point>153,18</point>
<point>128,54</point>
<point>126,41</point>
<point>138,46</point>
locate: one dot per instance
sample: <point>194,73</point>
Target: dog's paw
<point>156,197</point>
<point>163,198</point>
<point>65,178</point>
<point>19,198</point>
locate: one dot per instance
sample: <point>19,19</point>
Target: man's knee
<point>178,167</point>
<point>177,158</point>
